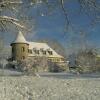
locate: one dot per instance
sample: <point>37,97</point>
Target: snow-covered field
<point>46,88</point>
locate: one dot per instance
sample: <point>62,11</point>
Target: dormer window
<point>50,52</point>
<point>36,51</point>
<point>41,49</point>
<point>44,52</point>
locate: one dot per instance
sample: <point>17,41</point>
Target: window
<point>58,59</point>
<point>36,51</point>
<point>62,59</point>
<point>23,49</point>
<point>44,52</point>
<point>12,49</point>
<point>30,51</point>
<point>50,52</point>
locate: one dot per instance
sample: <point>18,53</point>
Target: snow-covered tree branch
<point>12,20</point>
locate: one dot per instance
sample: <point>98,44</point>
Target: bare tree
<point>45,8</point>
<point>15,17</point>
<point>86,61</point>
<point>89,7</point>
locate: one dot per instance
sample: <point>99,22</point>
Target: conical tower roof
<point>20,38</point>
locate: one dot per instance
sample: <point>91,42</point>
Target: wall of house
<point>56,59</point>
<point>19,51</point>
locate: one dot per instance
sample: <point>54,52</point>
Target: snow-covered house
<point>22,49</point>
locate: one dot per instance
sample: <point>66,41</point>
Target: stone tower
<point>19,48</point>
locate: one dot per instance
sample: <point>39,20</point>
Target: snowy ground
<point>9,72</point>
<point>47,88</point>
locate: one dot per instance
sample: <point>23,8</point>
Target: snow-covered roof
<point>20,38</point>
<point>44,46</point>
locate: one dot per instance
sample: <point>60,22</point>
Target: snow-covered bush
<point>86,61</point>
<point>32,65</point>
<point>41,64</point>
<point>11,64</point>
<point>56,67</point>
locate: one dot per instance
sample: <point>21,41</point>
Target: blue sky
<point>53,27</point>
